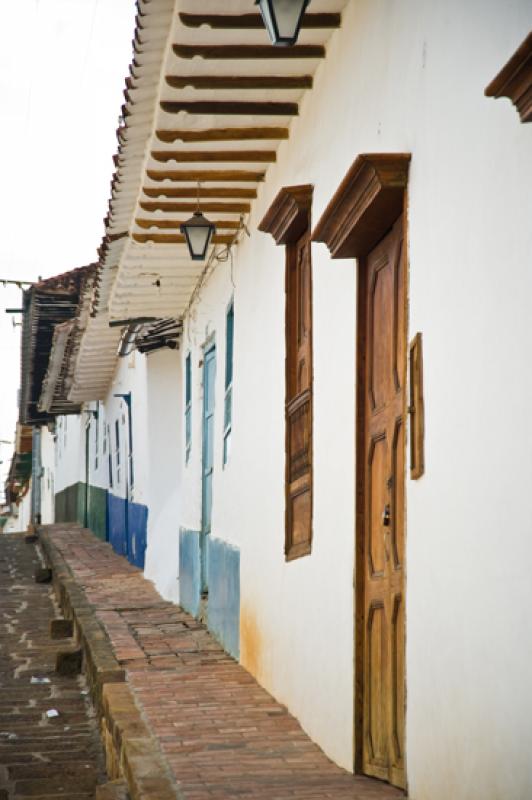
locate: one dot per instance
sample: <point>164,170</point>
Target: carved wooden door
<point>383,527</point>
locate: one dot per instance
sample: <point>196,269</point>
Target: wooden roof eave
<point>161,146</point>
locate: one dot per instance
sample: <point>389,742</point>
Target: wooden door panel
<point>377,709</point>
<point>397,489</point>
<point>300,511</point>
<point>381,333</point>
<point>383,352</point>
<point>399,321</point>
<point>397,706</point>
<point>299,419</point>
<point>377,460</point>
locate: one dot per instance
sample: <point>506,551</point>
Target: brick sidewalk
<point>40,756</point>
<point>222,734</point>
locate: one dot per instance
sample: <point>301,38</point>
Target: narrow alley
<point>265,308</point>
<point>49,742</point>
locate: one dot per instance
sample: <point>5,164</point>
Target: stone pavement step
<point>41,756</point>
<point>221,733</point>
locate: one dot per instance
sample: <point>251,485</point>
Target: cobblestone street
<point>49,743</point>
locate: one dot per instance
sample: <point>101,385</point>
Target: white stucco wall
<point>11,525</point>
<point>164,457</point>
<point>296,618</point>
<point>69,451</point>
<point>19,520</point>
<point>398,77</point>
<point>47,477</point>
<point>24,511</point>
<point>130,376</point>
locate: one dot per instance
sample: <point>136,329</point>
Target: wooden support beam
<point>248,51</point>
<point>191,156</point>
<point>240,81</point>
<point>174,224</point>
<point>230,107</point>
<point>170,238</point>
<point>254,21</point>
<point>222,135</point>
<point>228,208</point>
<point>181,191</point>
<point>194,176</point>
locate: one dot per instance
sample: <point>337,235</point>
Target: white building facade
<point>342,519</point>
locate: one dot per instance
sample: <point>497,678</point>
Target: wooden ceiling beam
<point>231,107</point>
<point>240,81</point>
<point>196,175</point>
<point>226,208</point>
<point>170,238</point>
<point>175,223</point>
<point>190,156</point>
<point>221,135</point>
<point>254,21</point>
<point>248,51</point>
<point>171,191</point>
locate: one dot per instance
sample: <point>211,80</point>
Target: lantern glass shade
<point>282,19</point>
<point>198,232</point>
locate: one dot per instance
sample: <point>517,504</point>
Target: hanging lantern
<point>282,19</point>
<point>198,232</point>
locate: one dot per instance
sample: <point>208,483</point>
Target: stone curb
<point>131,751</point>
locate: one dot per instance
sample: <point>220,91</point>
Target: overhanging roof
<point>46,304</point>
<point>208,99</point>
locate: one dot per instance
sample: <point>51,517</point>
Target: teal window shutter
<point>117,450</point>
<point>228,397</point>
<point>188,407</point>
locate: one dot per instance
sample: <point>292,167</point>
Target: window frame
<point>110,456</point>
<point>97,436</point>
<point>188,406</point>
<point>288,220</point>
<point>117,451</point>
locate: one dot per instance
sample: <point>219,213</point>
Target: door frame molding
<point>369,200</point>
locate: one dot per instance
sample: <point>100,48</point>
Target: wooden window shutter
<point>288,220</point>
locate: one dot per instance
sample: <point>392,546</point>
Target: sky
<point>63,65</point>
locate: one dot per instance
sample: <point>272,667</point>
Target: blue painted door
<point>209,370</point>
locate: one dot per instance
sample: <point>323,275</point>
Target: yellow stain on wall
<point>250,643</point>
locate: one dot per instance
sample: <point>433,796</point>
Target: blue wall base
<point>189,571</point>
<point>223,608</point>
<point>223,571</point>
<point>128,525</point>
